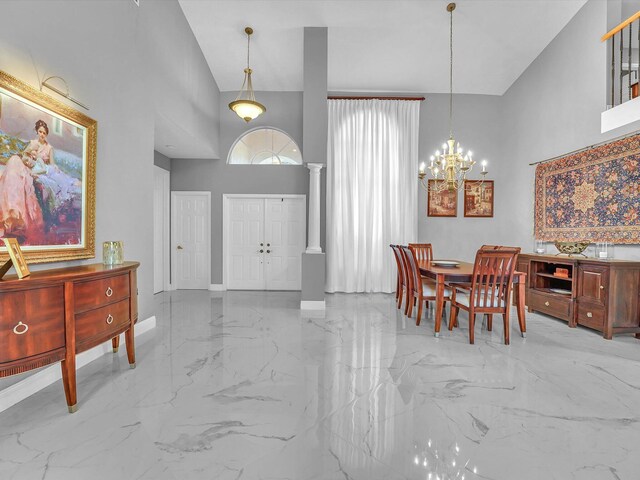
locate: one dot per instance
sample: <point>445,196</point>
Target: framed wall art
<point>441,204</point>
<point>47,175</point>
<point>478,198</point>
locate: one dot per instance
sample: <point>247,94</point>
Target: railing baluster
<point>613,71</point>
<point>629,67</point>
<point>621,51</point>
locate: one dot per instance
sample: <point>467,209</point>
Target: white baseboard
<point>45,377</point>
<point>312,305</point>
<point>217,287</point>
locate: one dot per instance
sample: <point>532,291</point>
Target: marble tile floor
<point>241,385</point>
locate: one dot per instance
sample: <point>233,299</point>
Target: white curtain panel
<point>372,191</point>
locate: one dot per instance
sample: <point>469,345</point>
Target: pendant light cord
<point>248,49</point>
<point>451,76</point>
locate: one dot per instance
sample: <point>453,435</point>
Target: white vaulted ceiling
<point>379,45</point>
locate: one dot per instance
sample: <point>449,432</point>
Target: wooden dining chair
<point>401,286</point>
<point>489,291</point>
<point>421,289</point>
<point>423,251</point>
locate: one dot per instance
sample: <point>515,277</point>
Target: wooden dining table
<point>463,273</point>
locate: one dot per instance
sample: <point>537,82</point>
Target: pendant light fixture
<point>450,167</point>
<point>245,104</point>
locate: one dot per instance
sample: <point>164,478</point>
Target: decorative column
<point>313,240</point>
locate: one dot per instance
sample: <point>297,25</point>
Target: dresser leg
<point>131,347</point>
<point>115,343</point>
<point>69,381</point>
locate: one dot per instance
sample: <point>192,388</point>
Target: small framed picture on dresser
<point>16,258</point>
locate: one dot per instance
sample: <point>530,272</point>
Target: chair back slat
<point>412,268</point>
<point>400,264</point>
<point>492,275</point>
<point>423,251</point>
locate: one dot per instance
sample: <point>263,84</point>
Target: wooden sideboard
<point>52,315</point>
<point>600,294</point>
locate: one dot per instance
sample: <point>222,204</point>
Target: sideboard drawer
<point>41,311</point>
<point>101,321</point>
<point>591,316</point>
<point>553,305</point>
<point>89,295</point>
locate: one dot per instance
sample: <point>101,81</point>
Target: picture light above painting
<point>47,175</point>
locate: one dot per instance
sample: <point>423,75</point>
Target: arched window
<point>264,146</point>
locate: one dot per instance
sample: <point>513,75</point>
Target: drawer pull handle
<point>109,319</point>
<point>589,314</point>
<point>109,292</point>
<point>547,304</point>
<point>20,328</point>
<point>601,287</point>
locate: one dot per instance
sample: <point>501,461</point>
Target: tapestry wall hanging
<point>47,175</point>
<point>592,195</point>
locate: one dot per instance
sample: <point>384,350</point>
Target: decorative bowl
<point>571,248</point>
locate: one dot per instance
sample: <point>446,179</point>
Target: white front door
<point>246,244</point>
<point>160,229</point>
<point>265,239</point>
<point>191,239</point>
<point>284,232</point>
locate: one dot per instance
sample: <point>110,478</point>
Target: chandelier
<point>245,104</point>
<point>450,167</point>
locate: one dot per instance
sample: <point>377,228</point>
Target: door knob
<point>179,247</point>
<point>601,287</point>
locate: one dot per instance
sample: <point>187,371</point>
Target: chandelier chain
<point>451,74</point>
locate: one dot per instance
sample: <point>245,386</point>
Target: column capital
<point>314,166</point>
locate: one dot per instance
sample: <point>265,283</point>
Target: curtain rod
<point>621,137</point>
<point>332,97</point>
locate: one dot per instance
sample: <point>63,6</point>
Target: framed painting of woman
<point>47,175</point>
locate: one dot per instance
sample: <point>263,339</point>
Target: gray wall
<point>552,109</point>
<point>102,51</point>
<point>316,110</point>
<point>284,111</point>
<point>159,160</point>
<point>477,125</point>
<point>185,94</point>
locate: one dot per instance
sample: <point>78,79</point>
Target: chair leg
<point>489,321</point>
<point>409,308</point>
<point>453,317</point>
<point>472,321</point>
<point>506,326</point>
<point>400,295</point>
<point>426,304</point>
<point>419,314</point>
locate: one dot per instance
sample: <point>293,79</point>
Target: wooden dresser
<point>52,315</point>
<point>600,294</point>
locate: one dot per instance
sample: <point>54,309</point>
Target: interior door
<point>246,244</point>
<point>191,239</point>
<point>284,235</point>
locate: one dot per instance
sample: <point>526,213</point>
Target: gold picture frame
<point>56,220</point>
<point>15,258</point>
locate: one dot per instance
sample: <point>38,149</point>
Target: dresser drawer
<point>41,311</point>
<point>591,316</point>
<point>96,293</point>
<point>553,305</point>
<point>101,321</point>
